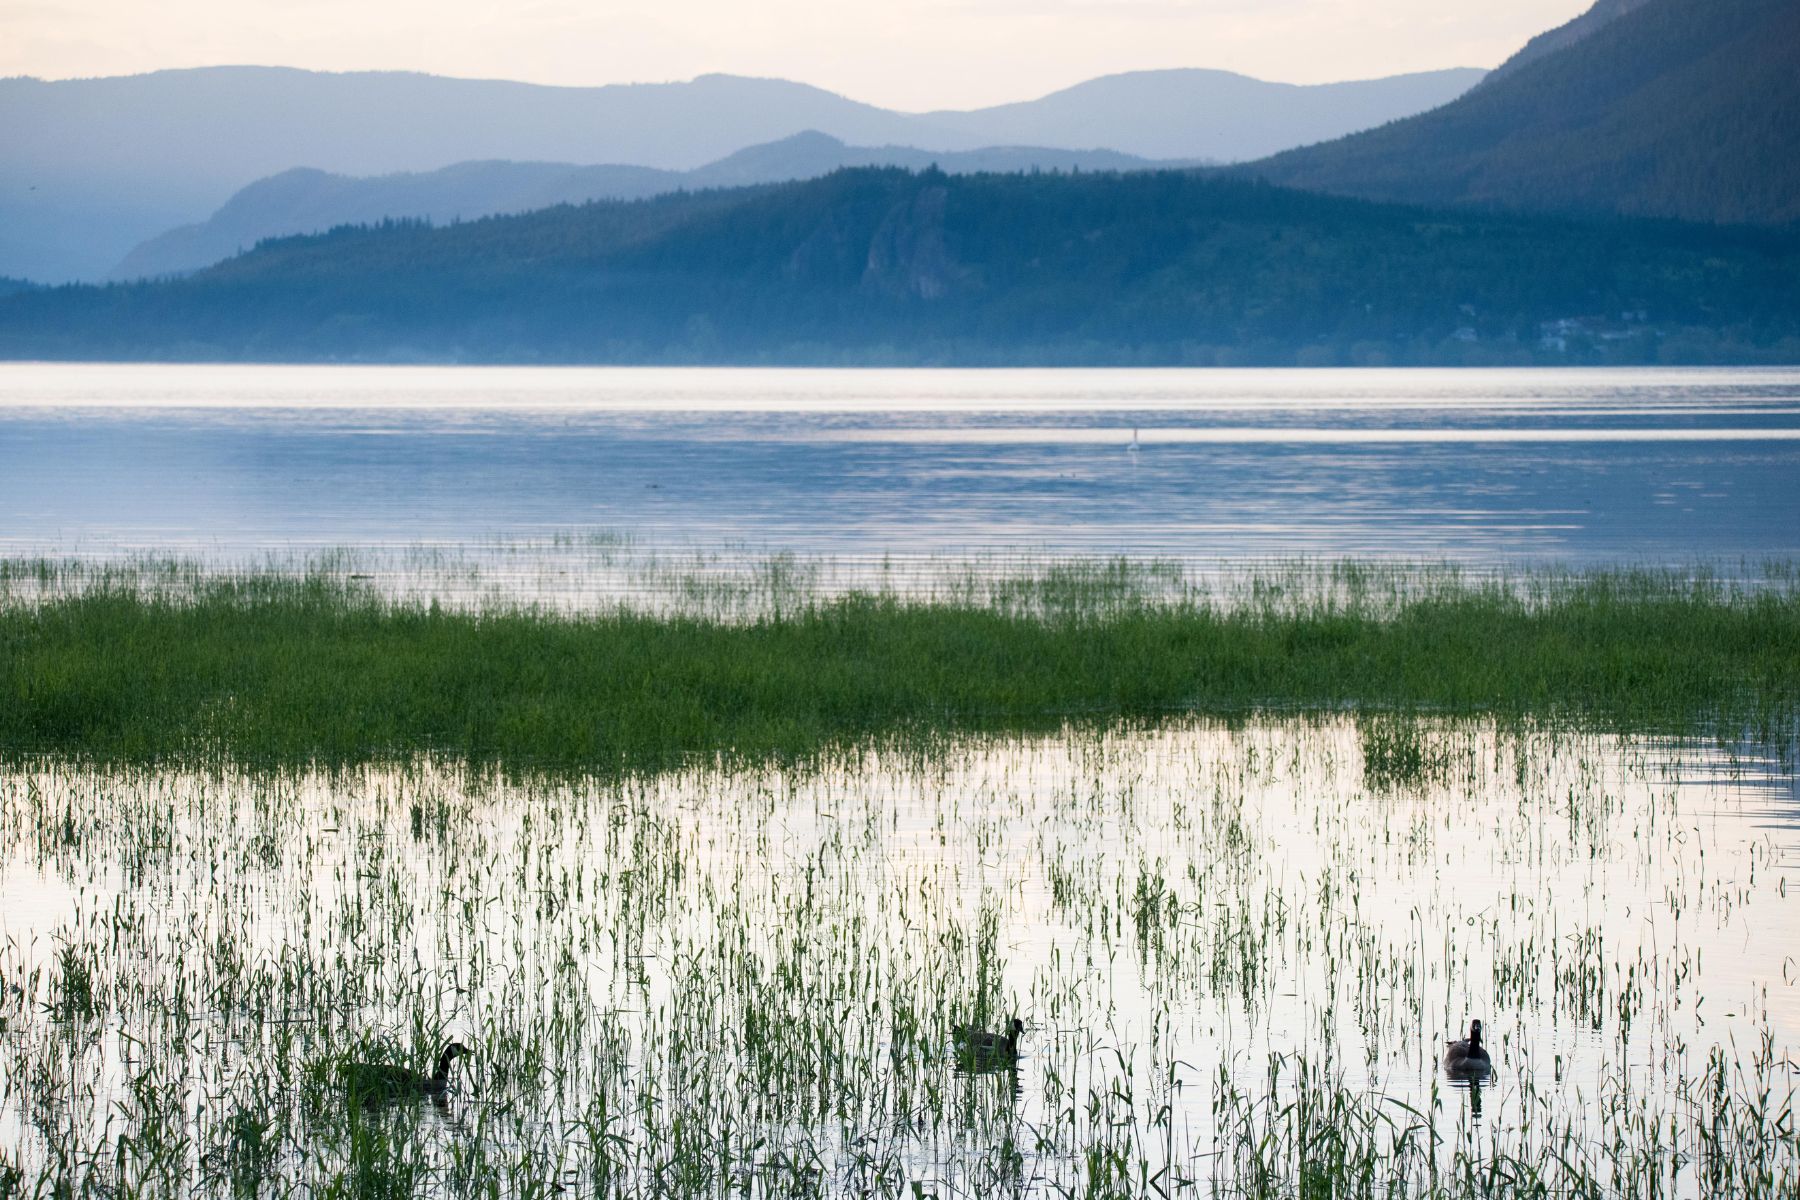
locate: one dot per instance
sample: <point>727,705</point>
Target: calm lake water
<point>1237,949</point>
<point>1663,467</point>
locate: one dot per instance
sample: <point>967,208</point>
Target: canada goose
<point>378,1082</point>
<point>980,1045</point>
<point>1468,1057</point>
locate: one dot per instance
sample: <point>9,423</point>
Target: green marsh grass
<point>174,664</point>
<point>707,886</point>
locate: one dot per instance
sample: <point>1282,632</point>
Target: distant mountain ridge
<point>89,168</point>
<point>1207,114</point>
<point>304,200</point>
<point>1687,109</point>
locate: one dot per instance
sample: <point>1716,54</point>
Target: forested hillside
<point>90,168</point>
<point>308,201</point>
<point>1678,108</point>
<point>1603,13</point>
<point>887,266</point>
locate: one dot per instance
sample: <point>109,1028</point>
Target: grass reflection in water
<point>1238,950</point>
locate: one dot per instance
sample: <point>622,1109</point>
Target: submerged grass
<point>320,669</point>
<point>1235,959</point>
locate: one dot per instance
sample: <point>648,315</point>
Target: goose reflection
<point>1009,1071</point>
<point>979,1052</point>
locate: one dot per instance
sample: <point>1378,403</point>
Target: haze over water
<point>1485,467</point>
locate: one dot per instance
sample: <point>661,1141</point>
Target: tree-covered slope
<point>308,201</point>
<point>1678,108</point>
<point>89,168</point>
<point>884,265</point>
<point>1602,14</point>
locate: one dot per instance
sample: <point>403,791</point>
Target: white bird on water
<point>1133,448</point>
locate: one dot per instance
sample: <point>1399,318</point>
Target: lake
<point>1480,467</point>
<point>1237,947</point>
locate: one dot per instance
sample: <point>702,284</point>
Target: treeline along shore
<point>299,670</point>
<point>892,267</point>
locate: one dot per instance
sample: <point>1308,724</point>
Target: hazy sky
<point>899,53</point>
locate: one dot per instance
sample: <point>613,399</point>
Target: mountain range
<point>1687,109</point>
<point>89,168</point>
<point>305,200</point>
<point>1502,227</point>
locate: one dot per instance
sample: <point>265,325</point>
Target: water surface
<point>1232,944</point>
<point>1662,467</point>
<point>749,979</point>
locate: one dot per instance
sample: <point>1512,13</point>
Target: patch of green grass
<point>291,670</point>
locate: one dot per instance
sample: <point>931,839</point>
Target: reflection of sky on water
<point>1692,464</point>
<point>232,462</point>
<point>1381,920</point>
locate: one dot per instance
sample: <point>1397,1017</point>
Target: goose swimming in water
<point>376,1083</point>
<point>1468,1058</point>
<point>981,1046</point>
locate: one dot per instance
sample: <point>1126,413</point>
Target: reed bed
<point>170,663</point>
<point>706,872</point>
<point>1237,949</point>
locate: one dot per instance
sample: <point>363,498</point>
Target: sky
<point>906,54</point>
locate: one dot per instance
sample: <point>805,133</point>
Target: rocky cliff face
<point>909,255</point>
